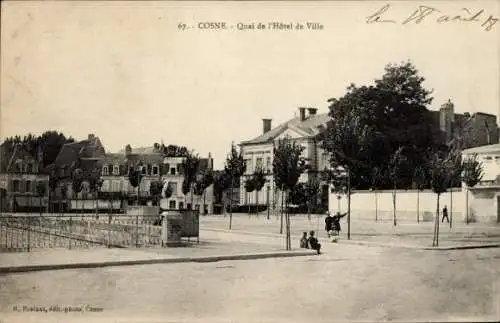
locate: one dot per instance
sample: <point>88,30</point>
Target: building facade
<point>20,175</point>
<point>258,154</point>
<point>484,198</point>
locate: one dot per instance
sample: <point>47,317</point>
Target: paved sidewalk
<point>213,246</point>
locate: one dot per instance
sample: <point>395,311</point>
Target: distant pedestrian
<point>328,222</point>
<point>303,241</point>
<point>334,232</point>
<point>445,215</point>
<point>313,242</point>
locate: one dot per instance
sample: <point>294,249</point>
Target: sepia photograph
<point>250,161</point>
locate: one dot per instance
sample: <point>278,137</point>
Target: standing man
<point>328,223</point>
<point>445,215</point>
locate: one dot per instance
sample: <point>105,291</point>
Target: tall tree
<point>41,190</point>
<point>312,189</point>
<point>206,179</point>
<point>190,164</point>
<point>348,139</point>
<point>456,169</point>
<point>472,175</point>
<point>420,179</point>
<point>439,181</point>
<point>221,184</point>
<point>77,183</point>
<point>155,190</point>
<point>135,178</point>
<point>397,172</point>
<point>259,179</point>
<point>249,188</point>
<point>235,167</point>
<point>288,165</point>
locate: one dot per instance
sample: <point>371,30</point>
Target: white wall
<point>363,204</point>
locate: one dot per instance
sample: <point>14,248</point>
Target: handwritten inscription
<point>425,13</point>
<point>56,308</point>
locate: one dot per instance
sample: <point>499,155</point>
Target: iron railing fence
<point>26,232</point>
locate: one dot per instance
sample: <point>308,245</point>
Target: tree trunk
<point>394,205</point>
<point>451,206</point>
<point>435,240</point>
<point>96,204</point>
<point>418,205</point>
<point>267,195</point>
<point>231,204</point>
<point>138,192</point>
<point>467,205</point>
<point>281,216</point>
<point>204,200</point>
<point>348,204</point>
<point>257,203</point>
<point>376,206</point>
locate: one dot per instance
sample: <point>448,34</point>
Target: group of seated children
<point>311,242</point>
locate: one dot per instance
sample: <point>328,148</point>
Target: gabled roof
<point>309,127</point>
<point>483,149</point>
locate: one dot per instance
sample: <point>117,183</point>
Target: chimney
<point>302,114</point>
<point>91,137</point>
<point>266,125</point>
<point>312,111</point>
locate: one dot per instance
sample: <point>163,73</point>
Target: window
<point>248,163</point>
<point>28,186</point>
<point>22,186</point>
<point>171,204</point>
<point>15,185</point>
<point>172,171</point>
<point>144,170</point>
<point>29,168</point>
<point>105,171</point>
<point>115,186</point>
<point>258,163</point>
<point>35,168</point>
<point>116,170</point>
<point>156,170</point>
<point>173,187</point>
<point>268,164</point>
<point>181,205</point>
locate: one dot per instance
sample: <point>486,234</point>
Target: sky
<point>126,72</point>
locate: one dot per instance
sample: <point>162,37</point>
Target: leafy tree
<point>168,191</point>
<point>41,190</point>
<point>439,180</point>
<point>348,139</point>
<point>249,188</point>
<point>312,189</point>
<point>222,182</point>
<point>258,179</point>
<point>135,178</point>
<point>77,182</point>
<point>155,190</point>
<point>420,179</point>
<point>376,178</point>
<point>472,175</point>
<point>174,151</point>
<point>288,165</point>
<point>397,172</point>
<point>190,165</point>
<point>235,167</point>
<point>207,179</point>
<point>455,175</point>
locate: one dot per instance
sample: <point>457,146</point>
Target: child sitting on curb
<point>303,241</point>
<point>313,242</point>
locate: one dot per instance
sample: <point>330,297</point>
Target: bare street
<point>346,283</point>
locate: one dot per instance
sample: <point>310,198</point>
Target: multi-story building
<point>258,153</point>
<point>85,155</point>
<point>484,198</point>
<point>466,130</point>
<point>20,174</point>
<point>154,167</point>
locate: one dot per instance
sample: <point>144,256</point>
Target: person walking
<point>445,215</point>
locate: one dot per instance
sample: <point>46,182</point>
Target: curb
<point>282,254</point>
<point>484,246</point>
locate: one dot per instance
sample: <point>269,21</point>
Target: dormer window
<point>156,170</point>
<point>105,171</point>
<point>116,170</point>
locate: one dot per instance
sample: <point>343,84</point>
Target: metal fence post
<point>70,228</point>
<point>109,231</point>
<point>137,231</point>
<point>29,235</point>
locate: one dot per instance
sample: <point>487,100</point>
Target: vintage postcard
<point>250,161</point>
